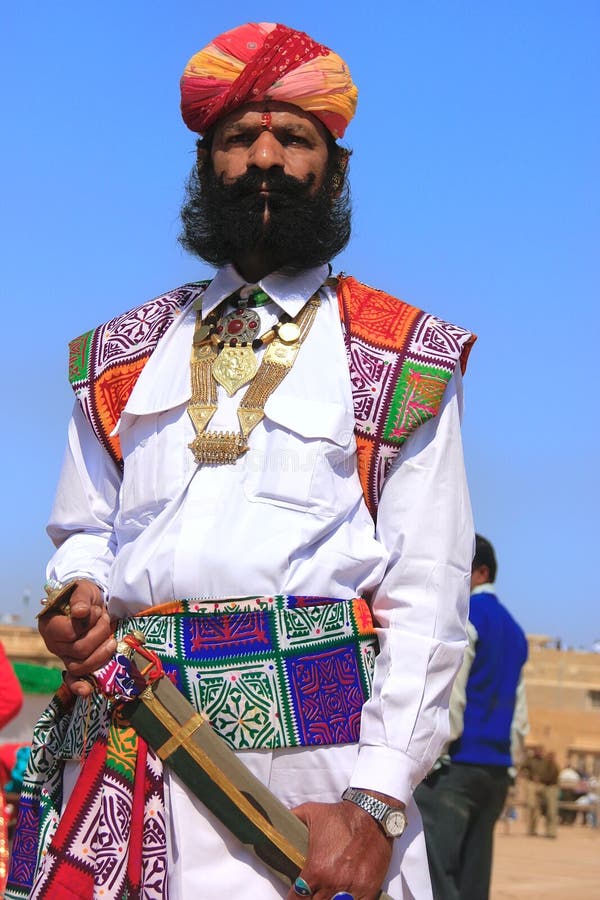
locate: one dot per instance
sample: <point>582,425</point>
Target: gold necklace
<point>236,362</point>
<point>284,342</point>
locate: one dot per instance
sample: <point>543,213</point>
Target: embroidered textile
<point>3,842</point>
<point>111,839</point>
<point>267,671</point>
<point>105,363</point>
<point>400,361</point>
<point>41,794</point>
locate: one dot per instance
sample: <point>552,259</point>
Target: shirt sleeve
<point>85,505</point>
<point>458,697</point>
<point>519,728</point>
<point>421,606</point>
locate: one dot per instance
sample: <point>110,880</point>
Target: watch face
<point>395,822</point>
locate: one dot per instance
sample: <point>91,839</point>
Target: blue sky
<point>476,196</point>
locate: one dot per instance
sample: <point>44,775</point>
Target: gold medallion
<point>234,367</point>
<point>289,332</point>
<point>282,354</point>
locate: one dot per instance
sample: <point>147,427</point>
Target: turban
<point>261,61</point>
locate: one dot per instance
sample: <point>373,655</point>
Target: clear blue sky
<point>476,196</point>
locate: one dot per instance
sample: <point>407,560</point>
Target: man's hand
<point>82,640</point>
<point>347,851</point>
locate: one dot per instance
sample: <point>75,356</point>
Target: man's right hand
<point>83,640</point>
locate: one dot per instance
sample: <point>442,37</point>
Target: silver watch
<point>392,820</point>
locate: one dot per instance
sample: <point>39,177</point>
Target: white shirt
<point>287,517</point>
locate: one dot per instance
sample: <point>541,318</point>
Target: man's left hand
<point>347,851</point>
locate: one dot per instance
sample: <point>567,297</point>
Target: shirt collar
<point>487,588</point>
<point>290,290</point>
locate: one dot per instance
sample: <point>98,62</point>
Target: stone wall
<point>563,696</point>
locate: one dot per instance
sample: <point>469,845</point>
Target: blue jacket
<point>500,654</point>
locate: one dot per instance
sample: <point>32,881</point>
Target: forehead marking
<point>266,121</point>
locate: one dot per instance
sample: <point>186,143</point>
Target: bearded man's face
<point>270,183</point>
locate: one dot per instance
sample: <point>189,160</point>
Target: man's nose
<point>266,152</point>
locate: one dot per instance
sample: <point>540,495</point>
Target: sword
<point>184,739</point>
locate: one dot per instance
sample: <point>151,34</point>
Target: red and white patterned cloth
<point>261,61</point>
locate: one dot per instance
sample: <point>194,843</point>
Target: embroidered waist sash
<point>280,671</point>
<point>269,671</point>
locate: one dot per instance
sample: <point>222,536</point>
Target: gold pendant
<point>234,367</point>
<point>200,415</point>
<point>218,447</point>
<point>249,418</point>
<point>282,354</point>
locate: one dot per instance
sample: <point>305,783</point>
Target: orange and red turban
<point>261,61</point>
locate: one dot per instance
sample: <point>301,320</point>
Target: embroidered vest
<point>400,361</point>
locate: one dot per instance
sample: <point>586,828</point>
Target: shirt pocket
<point>302,456</point>
<point>155,455</point>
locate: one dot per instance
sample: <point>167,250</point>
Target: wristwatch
<point>392,820</point>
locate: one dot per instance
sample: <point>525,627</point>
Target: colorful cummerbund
<point>279,671</point>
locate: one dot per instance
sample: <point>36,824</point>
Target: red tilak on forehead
<point>265,120</point>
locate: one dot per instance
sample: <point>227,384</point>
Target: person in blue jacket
<point>464,795</point>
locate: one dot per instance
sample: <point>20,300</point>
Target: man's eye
<point>238,139</point>
<point>294,139</point>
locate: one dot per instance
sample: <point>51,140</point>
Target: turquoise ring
<point>301,887</point>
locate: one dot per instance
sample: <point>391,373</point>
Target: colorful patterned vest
<point>400,361</point>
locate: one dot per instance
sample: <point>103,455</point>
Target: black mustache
<point>306,225</point>
<point>276,182</point>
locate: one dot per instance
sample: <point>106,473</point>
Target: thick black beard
<point>223,223</point>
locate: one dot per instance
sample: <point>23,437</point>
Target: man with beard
<point>266,470</point>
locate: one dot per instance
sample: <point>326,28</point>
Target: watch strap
<point>378,809</point>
